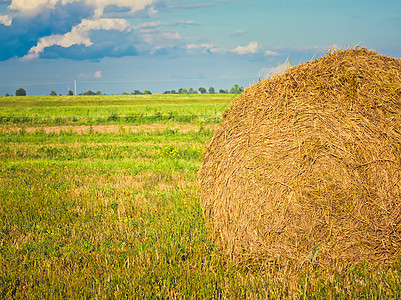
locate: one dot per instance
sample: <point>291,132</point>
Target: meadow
<point>99,199</point>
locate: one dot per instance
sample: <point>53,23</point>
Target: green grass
<point>117,215</point>
<point>115,109</point>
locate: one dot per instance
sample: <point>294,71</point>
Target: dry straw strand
<point>311,155</point>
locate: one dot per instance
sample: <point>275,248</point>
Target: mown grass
<point>117,215</point>
<point>114,109</point>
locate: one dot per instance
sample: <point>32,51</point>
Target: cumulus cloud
<point>25,31</point>
<point>5,20</point>
<point>203,48</point>
<point>251,48</point>
<point>132,5</point>
<point>206,48</point>
<point>271,53</point>
<point>156,37</point>
<point>79,35</point>
<point>98,74</point>
<point>90,29</point>
<point>35,6</point>
<point>49,24</point>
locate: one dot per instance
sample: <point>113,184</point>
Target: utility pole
<point>75,87</point>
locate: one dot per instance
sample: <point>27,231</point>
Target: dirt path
<point>110,128</point>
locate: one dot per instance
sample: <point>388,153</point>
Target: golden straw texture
<point>311,155</point>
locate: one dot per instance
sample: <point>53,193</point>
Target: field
<point>99,199</point>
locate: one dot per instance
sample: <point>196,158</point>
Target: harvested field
<point>109,128</point>
<point>309,162</point>
<point>86,213</point>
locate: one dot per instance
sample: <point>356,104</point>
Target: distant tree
<point>7,95</point>
<point>137,92</point>
<point>89,93</point>
<point>167,92</point>
<point>20,92</point>
<point>182,91</point>
<point>223,91</point>
<point>211,90</point>
<point>147,92</point>
<point>202,90</point>
<point>125,93</point>
<point>192,91</point>
<point>236,89</point>
<point>173,92</point>
<point>98,93</point>
<point>53,93</point>
<point>70,93</point>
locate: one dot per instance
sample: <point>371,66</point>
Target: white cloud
<point>134,5</point>
<point>205,48</point>
<point>79,35</point>
<point>251,48</point>
<point>5,20</point>
<point>271,53</point>
<point>35,6</point>
<point>201,46</point>
<point>172,35</point>
<point>147,37</point>
<point>98,74</point>
<point>157,38</point>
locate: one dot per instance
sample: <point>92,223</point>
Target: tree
<point>147,92</point>
<point>167,92</point>
<point>53,93</point>
<point>211,90</point>
<point>20,92</point>
<point>137,92</point>
<point>223,91</point>
<point>182,91</point>
<point>192,91</point>
<point>236,89</point>
<point>173,92</point>
<point>202,90</point>
<point>89,93</point>
<point>7,95</point>
<point>70,93</point>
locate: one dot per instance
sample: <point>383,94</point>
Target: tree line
<point>236,89</point>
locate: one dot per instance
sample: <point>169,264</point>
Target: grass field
<point>99,199</point>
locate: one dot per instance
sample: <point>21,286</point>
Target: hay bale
<point>311,155</point>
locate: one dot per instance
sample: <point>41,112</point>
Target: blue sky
<point>116,46</point>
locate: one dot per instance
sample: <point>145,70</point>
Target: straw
<point>311,156</point>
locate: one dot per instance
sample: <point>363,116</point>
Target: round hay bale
<point>308,157</point>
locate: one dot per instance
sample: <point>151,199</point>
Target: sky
<point>117,46</point>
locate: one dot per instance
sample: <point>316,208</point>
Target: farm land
<point>99,199</point>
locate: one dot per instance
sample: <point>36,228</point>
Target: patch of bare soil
<point>110,128</point>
